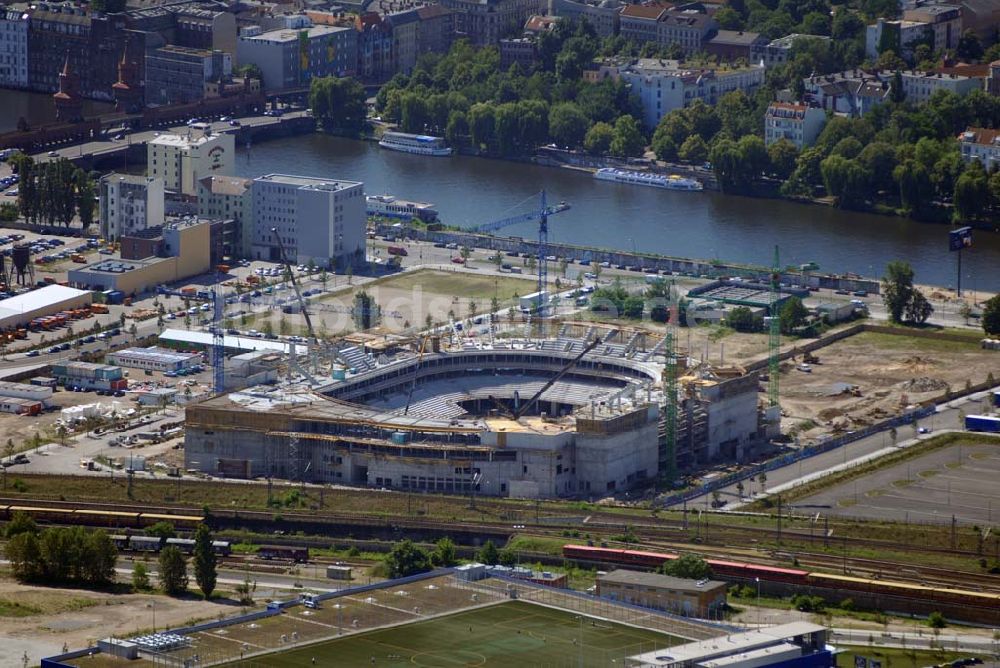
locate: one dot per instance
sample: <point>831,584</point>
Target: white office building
<point>130,203</point>
<point>798,123</point>
<point>182,159</point>
<point>316,219</point>
<point>14,48</point>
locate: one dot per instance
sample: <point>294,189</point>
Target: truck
<point>533,302</point>
<point>987,423</point>
<point>397,250</point>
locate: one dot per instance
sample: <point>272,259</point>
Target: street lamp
<point>757,580</point>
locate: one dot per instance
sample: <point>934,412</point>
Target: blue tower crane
<point>542,216</point>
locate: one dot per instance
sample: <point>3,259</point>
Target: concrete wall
<point>619,459</point>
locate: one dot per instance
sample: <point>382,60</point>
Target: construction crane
<point>217,352</point>
<point>668,450</point>
<point>413,385</point>
<point>542,216</point>
<point>774,332</point>
<point>519,413</point>
<point>295,284</point>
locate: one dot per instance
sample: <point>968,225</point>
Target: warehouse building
<point>22,309</point>
<point>185,251</point>
<point>25,391</point>
<point>154,359</point>
<point>691,598</point>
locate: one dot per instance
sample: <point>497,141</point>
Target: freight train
<point>104,518</point>
<point>748,572</point>
<point>156,543</point>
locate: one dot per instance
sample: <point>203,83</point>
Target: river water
<point>38,108</point>
<point>468,191</point>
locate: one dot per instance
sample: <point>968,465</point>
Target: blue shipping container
<point>982,423</point>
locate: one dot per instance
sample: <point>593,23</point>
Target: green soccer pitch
<point>515,634</point>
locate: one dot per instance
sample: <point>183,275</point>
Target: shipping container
<point>986,423</point>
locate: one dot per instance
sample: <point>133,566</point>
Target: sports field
<point>515,633</point>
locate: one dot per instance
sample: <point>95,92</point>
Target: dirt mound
<point>924,384</point>
<point>828,414</point>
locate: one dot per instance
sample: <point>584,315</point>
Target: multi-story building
<point>798,123</point>
<point>637,23</point>
<point>730,45</point>
<point>855,92</point>
<point>178,74</point>
<point>603,15</point>
<point>229,198</point>
<point>291,58</point>
<point>130,203</point>
<point>93,43</point>
<point>181,160</point>
<point>322,220</point>
<point>665,85</point>
<point>900,36</point>
<point>777,52</point>
<point>981,144</point>
<point>520,50</point>
<point>944,21</point>
<point>484,22</point>
<point>405,26</point>
<point>436,29</point>
<point>14,47</point>
<point>196,25</point>
<point>374,37</point>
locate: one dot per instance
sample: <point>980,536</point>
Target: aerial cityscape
<point>489,333</point>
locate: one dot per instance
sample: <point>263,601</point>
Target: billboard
<point>960,238</point>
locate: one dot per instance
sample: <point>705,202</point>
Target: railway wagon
<point>906,589</point>
<point>183,522</point>
<point>155,544</point>
<point>299,555</point>
<point>624,557</point>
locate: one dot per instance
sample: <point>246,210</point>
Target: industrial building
<point>550,419</point>
<point>691,598</point>
<point>88,375</point>
<point>20,406</point>
<point>318,220</point>
<point>25,391</point>
<point>21,309</point>
<point>182,249</point>
<point>793,645</point>
<point>153,359</point>
<point>181,160</point>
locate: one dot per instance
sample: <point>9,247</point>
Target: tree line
<point>59,555</point>
<point>54,191</point>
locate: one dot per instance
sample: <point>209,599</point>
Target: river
<point>468,191</point>
<point>38,108</point>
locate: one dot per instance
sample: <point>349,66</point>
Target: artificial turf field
<point>515,633</point>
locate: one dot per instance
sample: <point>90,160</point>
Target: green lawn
<point>464,284</point>
<point>509,634</point>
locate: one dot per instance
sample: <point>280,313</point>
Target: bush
<point>936,620</point>
<point>804,603</point>
<point>847,604</point>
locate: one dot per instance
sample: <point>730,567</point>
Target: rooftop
<point>182,140</point>
<point>643,579</point>
<point>652,12</point>
<point>155,353</point>
<point>307,182</point>
<point>283,35</point>
<point>704,651</point>
<point>737,37</point>
<point>185,50</point>
<point>787,41</point>
<point>226,185</point>
<point>971,136</point>
<point>48,296</point>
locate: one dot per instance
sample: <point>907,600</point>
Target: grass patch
<point>847,503</point>
<point>953,465</point>
<point>500,635</point>
<point>930,473</point>
<point>43,603</point>
<point>9,608</point>
<point>902,483</point>
<point>542,544</point>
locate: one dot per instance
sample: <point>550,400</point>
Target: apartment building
<point>798,123</point>
<point>181,160</point>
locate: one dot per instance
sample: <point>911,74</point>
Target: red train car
<point>614,556</point>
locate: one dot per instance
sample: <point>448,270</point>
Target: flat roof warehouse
<point>22,308</point>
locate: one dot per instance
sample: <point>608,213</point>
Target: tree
<point>444,554</point>
<point>140,577</point>
<point>936,620</point>
<point>173,571</point>
<point>919,309</point>
<point>338,103</point>
<point>488,554</point>
<point>628,141</point>
<point>458,127</point>
<point>688,566</point>
<point>972,193</point>
<point>407,559</point>
<point>969,46</point>
<point>897,289</point>
<point>598,138</point>
<point>204,561</point>
<point>782,155</point>
<point>161,529</point>
<point>742,319</point>
<point>20,523</point>
<point>85,203</point>
<point>567,124</point>
<point>793,315</point>
<point>845,180</point>
<point>991,316</point>
<point>694,150</point>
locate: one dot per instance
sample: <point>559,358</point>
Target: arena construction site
<point>441,618</point>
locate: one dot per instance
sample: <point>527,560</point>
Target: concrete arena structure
<point>443,421</point>
<point>594,432</point>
